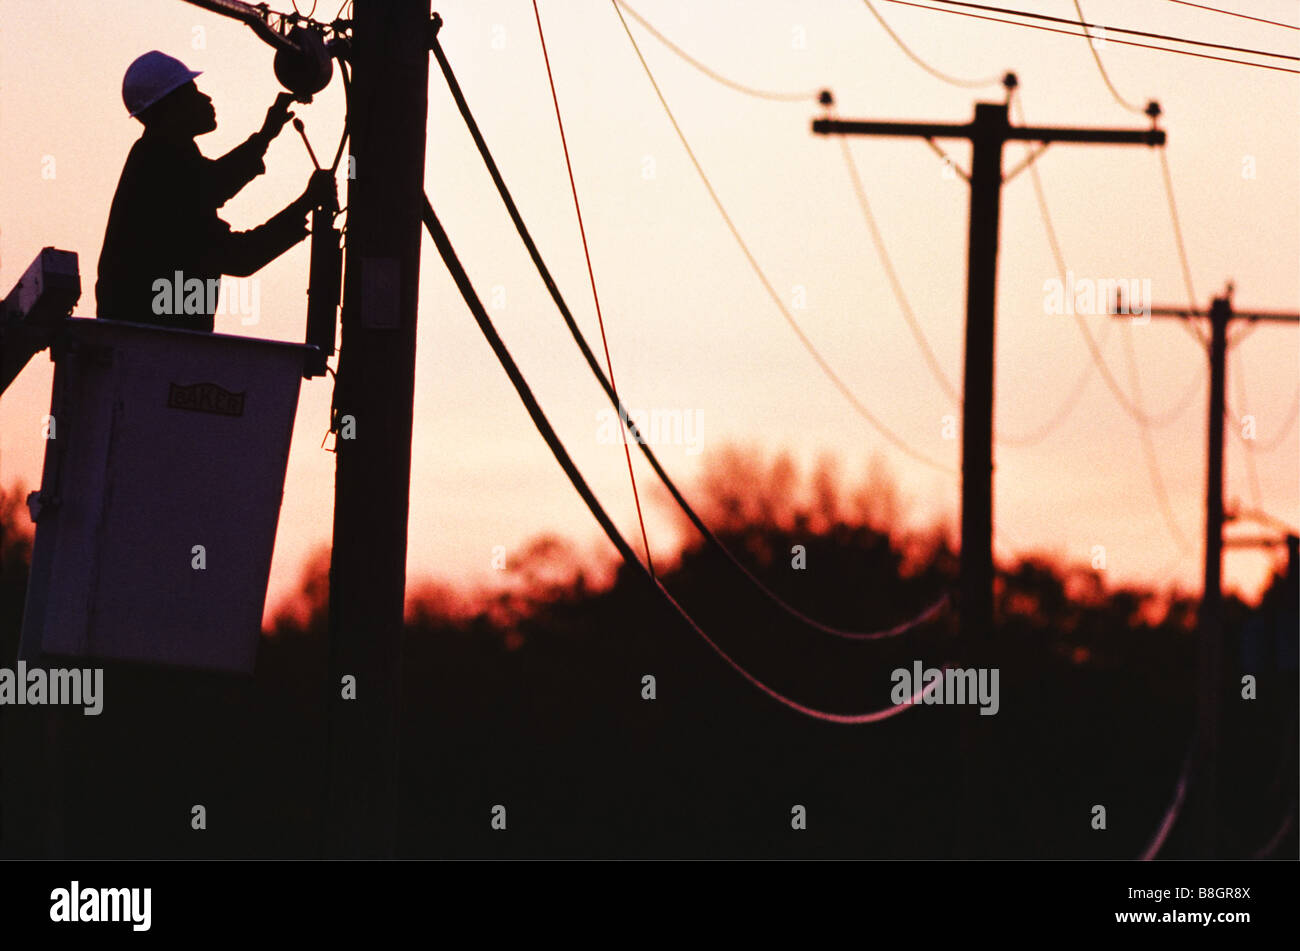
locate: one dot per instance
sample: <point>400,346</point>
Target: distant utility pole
<point>373,401</point>
<point>987,132</point>
<point>1203,790</point>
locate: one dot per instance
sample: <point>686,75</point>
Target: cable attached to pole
<point>1101,68</point>
<point>810,96</point>
<point>561,455</point>
<point>1138,413</point>
<point>895,284</point>
<point>1144,420</point>
<point>827,370</point>
<point>1082,36</point>
<point>1269,445</point>
<point>937,74</point>
<point>1170,818</point>
<point>928,614</point>
<point>591,274</point>
<point>1233,13</point>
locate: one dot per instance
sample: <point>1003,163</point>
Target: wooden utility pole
<point>1203,789</point>
<point>373,402</point>
<point>987,132</point>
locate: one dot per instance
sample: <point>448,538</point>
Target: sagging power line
<point>957,81</point>
<point>475,305</point>
<point>1234,13</point>
<point>1082,36</point>
<point>803,338</point>
<point>929,613</point>
<point>591,273</point>
<point>987,132</point>
<point>1204,788</point>
<point>771,96</point>
<point>1098,362</point>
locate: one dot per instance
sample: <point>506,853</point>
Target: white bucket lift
<point>156,516</point>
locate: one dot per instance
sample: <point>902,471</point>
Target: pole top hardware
<point>308,67</point>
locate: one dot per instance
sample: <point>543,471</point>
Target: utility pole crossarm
<point>1088,136</point>
<point>924,130</point>
<point>964,130</point>
<point>1272,316</point>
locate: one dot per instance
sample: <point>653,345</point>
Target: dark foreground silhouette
<point>532,699</point>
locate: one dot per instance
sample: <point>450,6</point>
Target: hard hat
<point>152,76</point>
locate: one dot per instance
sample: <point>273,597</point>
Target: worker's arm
<point>225,176</point>
<point>241,253</point>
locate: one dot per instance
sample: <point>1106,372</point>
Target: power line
<point>1252,471</point>
<point>1101,68</point>
<point>808,345</point>
<point>1076,392</point>
<point>347,111</point>
<point>561,455</point>
<point>1171,815</point>
<point>895,284</point>
<point>1179,558</point>
<point>1277,838</point>
<point>593,364</point>
<point>1107,29</point>
<point>1144,420</point>
<point>1233,13</point>
<point>714,74</point>
<point>1035,436</point>
<point>1080,385</point>
<point>1148,447</point>
<point>877,237</point>
<point>1277,441</point>
<point>1067,406</point>
<point>591,273</point>
<point>1183,260</point>
<point>944,77</point>
<point>1048,29</point>
<point>1138,413</point>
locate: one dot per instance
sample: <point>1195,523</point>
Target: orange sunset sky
<point>690,326</point>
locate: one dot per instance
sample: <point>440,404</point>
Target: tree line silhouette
<point>531,694</point>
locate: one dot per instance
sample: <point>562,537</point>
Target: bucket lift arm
<point>34,309</point>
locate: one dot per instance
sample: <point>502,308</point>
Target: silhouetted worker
<point>165,249</point>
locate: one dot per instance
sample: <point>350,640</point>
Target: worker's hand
<point>322,191</point>
<point>277,116</point>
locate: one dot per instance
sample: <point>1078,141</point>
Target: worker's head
<point>159,90</point>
